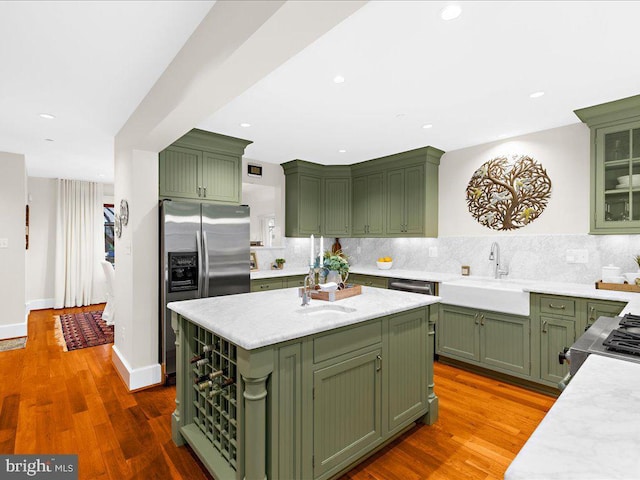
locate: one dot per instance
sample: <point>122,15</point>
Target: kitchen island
<point>300,392</point>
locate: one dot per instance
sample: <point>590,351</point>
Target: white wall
<point>13,179</point>
<point>42,242</point>
<point>563,152</point>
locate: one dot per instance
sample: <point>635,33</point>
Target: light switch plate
<point>4,243</point>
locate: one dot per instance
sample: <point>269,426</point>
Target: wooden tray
<point>351,291</point>
<point>621,287</point>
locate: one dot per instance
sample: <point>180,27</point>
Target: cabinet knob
<point>544,327</point>
<point>482,320</point>
<point>556,307</point>
<point>475,319</point>
<point>205,192</point>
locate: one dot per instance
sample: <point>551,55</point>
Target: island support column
<point>255,366</point>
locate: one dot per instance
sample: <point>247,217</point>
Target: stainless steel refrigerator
<point>204,252</point>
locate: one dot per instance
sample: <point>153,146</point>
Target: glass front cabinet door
<point>615,165</point>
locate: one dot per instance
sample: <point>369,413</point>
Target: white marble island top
<point>254,320</point>
<point>592,431</point>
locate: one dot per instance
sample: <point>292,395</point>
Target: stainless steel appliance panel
<point>180,228</point>
<point>225,238</point>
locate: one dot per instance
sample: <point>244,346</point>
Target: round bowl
<point>631,277</point>
<point>384,265</point>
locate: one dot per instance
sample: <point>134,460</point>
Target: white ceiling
<point>91,63</point>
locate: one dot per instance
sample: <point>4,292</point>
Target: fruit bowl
<point>384,265</point>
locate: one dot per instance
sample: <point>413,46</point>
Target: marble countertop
<point>581,290</point>
<point>254,320</point>
<point>591,432</point>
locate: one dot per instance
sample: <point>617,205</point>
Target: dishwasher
<point>417,286</point>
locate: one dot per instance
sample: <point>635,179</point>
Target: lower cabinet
<point>493,340</point>
<point>597,309</point>
<point>275,283</point>
<point>368,280</point>
<point>555,335</point>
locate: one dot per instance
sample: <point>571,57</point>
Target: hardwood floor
<point>74,402</point>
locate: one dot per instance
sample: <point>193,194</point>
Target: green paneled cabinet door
<point>505,342</point>
<point>597,309</point>
<point>309,214</point>
<point>337,207</point>
<point>179,172</point>
<point>406,201</point>
<point>555,335</point>
<point>220,178</point>
<point>346,411</point>
<point>407,389</point>
<point>368,205</point>
<point>457,333</point>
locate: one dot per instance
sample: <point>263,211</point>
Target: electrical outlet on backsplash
<point>534,257</point>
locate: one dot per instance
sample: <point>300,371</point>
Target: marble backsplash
<point>536,257</point>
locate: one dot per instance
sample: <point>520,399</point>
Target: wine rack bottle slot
<point>215,372</point>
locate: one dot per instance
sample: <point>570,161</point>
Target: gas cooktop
<point>626,338</point>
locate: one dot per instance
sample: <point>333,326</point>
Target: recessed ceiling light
<point>342,150</point>
<point>427,125</point>
<point>48,116</point>
<point>48,139</point>
<point>536,94</point>
<point>245,125</point>
<point>450,12</point>
<point>338,79</point>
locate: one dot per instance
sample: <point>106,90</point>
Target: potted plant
<point>336,262</point>
<point>280,263</point>
<point>637,259</point>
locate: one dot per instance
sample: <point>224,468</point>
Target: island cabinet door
<point>405,366</point>
<point>346,412</point>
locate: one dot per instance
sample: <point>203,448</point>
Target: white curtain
<point>79,243</point>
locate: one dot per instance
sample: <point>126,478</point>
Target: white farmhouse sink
<point>327,309</point>
<point>505,296</point>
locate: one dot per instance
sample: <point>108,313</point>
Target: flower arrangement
<point>637,259</point>
<point>338,262</point>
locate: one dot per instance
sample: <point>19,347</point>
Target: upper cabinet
<point>394,196</point>
<point>203,166</point>
<point>615,165</point>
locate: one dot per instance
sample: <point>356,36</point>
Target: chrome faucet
<point>306,289</point>
<point>494,256</point>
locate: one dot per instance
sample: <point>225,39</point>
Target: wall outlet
<point>433,252</point>
<point>577,256</point>
<point>4,243</point>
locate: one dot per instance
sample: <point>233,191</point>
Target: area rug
<point>13,344</point>
<point>82,330</point>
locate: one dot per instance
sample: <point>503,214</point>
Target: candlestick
<point>312,259</point>
<point>321,249</point>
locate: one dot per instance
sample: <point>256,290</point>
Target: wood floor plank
<point>74,402</point>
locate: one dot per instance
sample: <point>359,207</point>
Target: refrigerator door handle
<point>205,247</point>
<point>200,276</point>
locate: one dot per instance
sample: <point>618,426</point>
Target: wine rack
<point>215,404</point>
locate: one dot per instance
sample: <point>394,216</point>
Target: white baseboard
<point>135,378</point>
<point>13,330</point>
<point>40,304</point>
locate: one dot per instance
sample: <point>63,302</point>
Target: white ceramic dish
<point>623,181</point>
<point>384,265</point>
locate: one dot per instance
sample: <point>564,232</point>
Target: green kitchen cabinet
<point>602,308</point>
<point>303,198</point>
<point>319,404</point>
<point>337,206</point>
<point>368,280</point>
<point>405,200</point>
<point>264,284</point>
<point>368,205</point>
<point>492,340</point>
<point>615,160</point>
<point>347,411</point>
<point>202,166</point>
<point>293,281</point>
<point>555,335</point>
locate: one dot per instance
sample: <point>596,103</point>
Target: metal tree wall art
<point>508,193</point>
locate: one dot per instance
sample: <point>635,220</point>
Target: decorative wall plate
<point>117,225</point>
<point>124,212</point>
<point>507,193</point>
